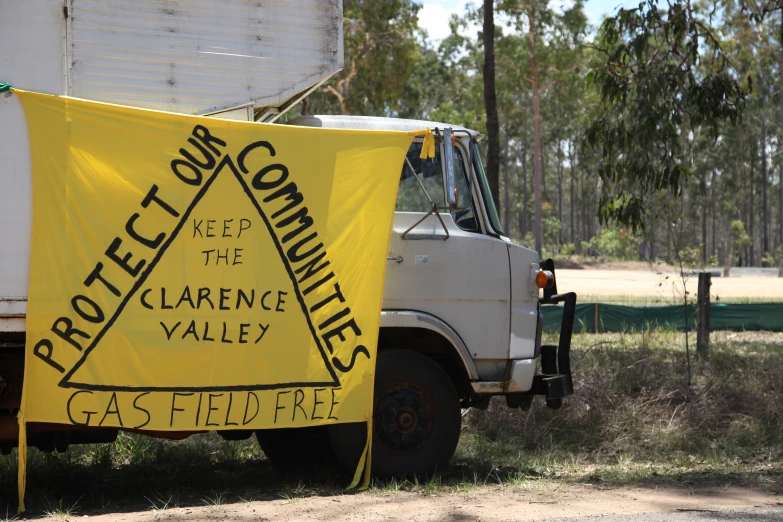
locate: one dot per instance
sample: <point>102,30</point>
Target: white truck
<point>461,317</point>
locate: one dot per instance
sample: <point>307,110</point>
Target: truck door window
<point>411,198</point>
<point>463,216</point>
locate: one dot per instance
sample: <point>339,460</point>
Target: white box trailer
<point>234,58</point>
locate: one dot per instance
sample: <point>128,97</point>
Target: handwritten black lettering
<point>316,402</point>
<point>46,344</point>
<point>210,409</point>
<point>228,411</point>
<point>334,403</point>
<point>299,396</point>
<point>131,231</point>
<point>163,304</point>
<point>88,414</point>
<point>137,407</point>
<point>96,275</point>
<point>185,297</point>
<point>203,294</point>
<point>169,332</point>
<point>191,330</point>
<point>242,227</point>
<point>226,227</point>
<point>277,403</point>
<point>115,411</point>
<point>280,300</point>
<point>245,419</point>
<point>263,331</point>
<point>243,332</point>
<point>67,333</point>
<point>152,196</point>
<point>223,339</point>
<point>174,408</point>
<point>123,262</point>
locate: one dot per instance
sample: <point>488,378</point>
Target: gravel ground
<point>756,514</point>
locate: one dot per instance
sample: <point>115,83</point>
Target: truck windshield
<point>486,195</point>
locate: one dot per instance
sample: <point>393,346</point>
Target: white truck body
<point>241,59</point>
<point>457,293</point>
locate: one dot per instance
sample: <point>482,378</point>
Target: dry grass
<point>633,419</point>
<point>632,407</point>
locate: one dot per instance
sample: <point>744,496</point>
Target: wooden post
<point>703,315</point>
<point>595,318</point>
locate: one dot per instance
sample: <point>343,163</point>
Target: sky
<point>434,15</point>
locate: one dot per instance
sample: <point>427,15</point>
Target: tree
<point>490,102</point>
<point>655,91</point>
<point>538,177</point>
<point>380,53</point>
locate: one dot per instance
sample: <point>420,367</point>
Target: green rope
<point>4,87</point>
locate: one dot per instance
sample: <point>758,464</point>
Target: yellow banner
<point>190,273</point>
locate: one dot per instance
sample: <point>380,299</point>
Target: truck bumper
<point>555,380</point>
<point>521,375</point>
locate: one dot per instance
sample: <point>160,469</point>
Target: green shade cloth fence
<point>598,317</point>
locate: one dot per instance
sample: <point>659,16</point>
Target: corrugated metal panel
<point>196,56</point>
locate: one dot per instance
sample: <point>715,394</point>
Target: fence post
<point>595,318</point>
<point>703,315</point>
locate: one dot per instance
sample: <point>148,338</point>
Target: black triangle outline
<point>65,382</point>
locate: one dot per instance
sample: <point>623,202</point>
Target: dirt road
<point>664,285</point>
<point>538,502</point>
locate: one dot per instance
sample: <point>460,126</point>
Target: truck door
<point>453,270</point>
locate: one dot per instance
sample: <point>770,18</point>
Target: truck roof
<point>373,123</point>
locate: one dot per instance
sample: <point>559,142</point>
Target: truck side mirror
<point>451,184</point>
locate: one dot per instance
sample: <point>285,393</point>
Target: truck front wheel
<point>416,418</point>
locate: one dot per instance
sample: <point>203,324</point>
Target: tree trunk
<point>572,161</point>
<point>560,189</point>
<point>491,103</point>
<point>538,180</point>
<point>506,189</point>
<point>764,181</point>
<point>523,223</point>
<point>703,187</point>
<point>751,260</point>
<point>780,130</point>
<point>713,188</point>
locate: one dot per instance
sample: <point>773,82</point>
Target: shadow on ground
<point>206,471</point>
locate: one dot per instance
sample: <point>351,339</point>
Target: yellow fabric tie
<point>22,469</point>
<point>364,466</point>
<point>428,147</point>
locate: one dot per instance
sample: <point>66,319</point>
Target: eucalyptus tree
<point>655,92</point>
<point>381,42</point>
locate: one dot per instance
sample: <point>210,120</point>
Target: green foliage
<point>613,243</point>
<point>381,52</point>
<point>656,89</point>
<point>690,256</point>
<point>648,123</point>
<point>739,237</point>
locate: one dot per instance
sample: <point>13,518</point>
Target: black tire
<point>296,449</point>
<point>416,418</point>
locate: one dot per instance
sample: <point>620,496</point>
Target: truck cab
<point>458,294</point>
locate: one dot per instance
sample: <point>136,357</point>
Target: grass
<point>216,500</point>
<point>632,420</point>
<point>160,503</point>
<point>633,415</point>
<point>60,510</point>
